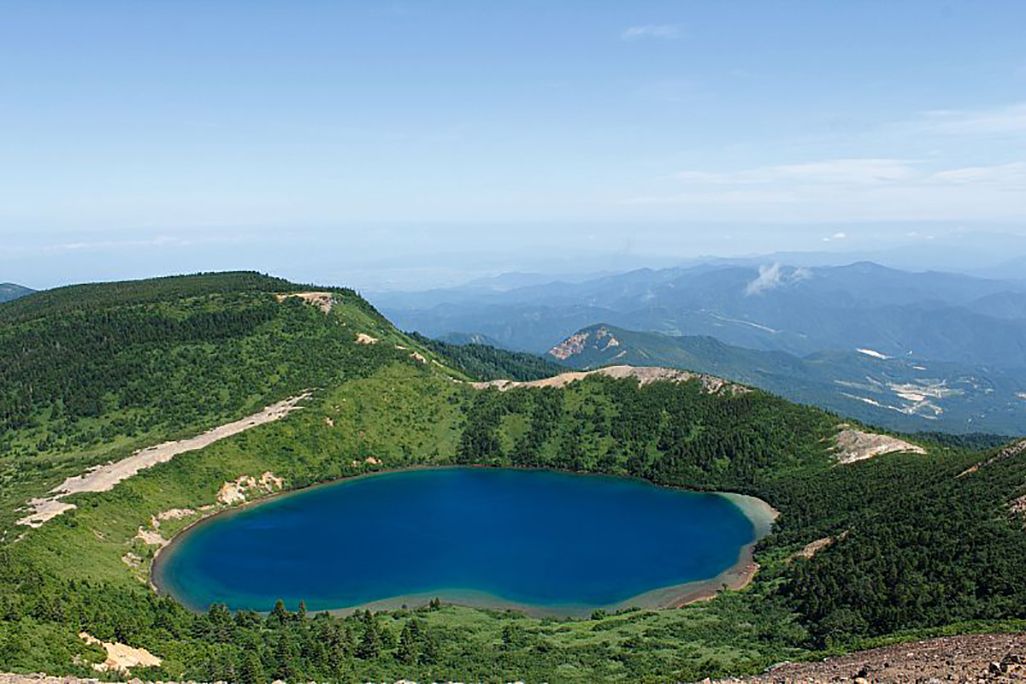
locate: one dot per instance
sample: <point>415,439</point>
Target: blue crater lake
<point>537,540</point>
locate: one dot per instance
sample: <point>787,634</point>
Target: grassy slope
<point>163,389</point>
<point>403,412</point>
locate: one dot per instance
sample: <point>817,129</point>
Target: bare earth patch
<point>644,374</point>
<point>853,445</point>
<point>1010,451</point>
<point>119,656</point>
<point>103,478</point>
<point>570,346</point>
<point>151,538</point>
<point>239,490</point>
<point>814,547</point>
<point>1019,506</point>
<point>322,300</point>
<point>170,514</point>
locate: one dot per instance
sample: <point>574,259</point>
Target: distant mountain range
<point>939,351</point>
<point>9,291</point>
<point>772,307</point>
<point>898,393</point>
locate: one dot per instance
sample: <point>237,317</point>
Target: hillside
<point>899,542</point>
<point>486,362</point>
<point>9,291</point>
<point>899,393</point>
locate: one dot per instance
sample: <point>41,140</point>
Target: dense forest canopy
<point>914,542</point>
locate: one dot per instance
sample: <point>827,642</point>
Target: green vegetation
<point>955,397</point>
<point>916,547</point>
<point>490,363</point>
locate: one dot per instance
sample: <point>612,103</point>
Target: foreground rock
<point>972,658</point>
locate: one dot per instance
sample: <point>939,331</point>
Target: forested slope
<point>911,543</point>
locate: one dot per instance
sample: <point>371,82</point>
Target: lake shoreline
<point>739,575</point>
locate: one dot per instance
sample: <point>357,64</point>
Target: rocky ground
<point>973,658</point>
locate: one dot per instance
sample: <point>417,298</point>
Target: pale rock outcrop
<point>239,490</point>
<point>645,375</point>
<point>851,445</point>
<point>322,300</point>
<point>120,657</point>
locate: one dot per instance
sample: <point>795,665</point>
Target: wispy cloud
<point>994,121</point>
<point>831,171</point>
<point>852,189</point>
<point>661,31</point>
<point>772,276</point>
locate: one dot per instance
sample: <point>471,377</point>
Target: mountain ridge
<point>11,291</point>
<point>898,393</point>
<point>772,307</point>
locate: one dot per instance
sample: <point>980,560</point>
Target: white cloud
<point>858,171</point>
<point>835,237</point>
<point>775,275</point>
<point>663,31</point>
<point>851,189</point>
<point>1012,175</point>
<point>995,121</point>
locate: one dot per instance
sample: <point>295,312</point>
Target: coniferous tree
<point>370,643</point>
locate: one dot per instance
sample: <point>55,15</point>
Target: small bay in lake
<point>543,541</point>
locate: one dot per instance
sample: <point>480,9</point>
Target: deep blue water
<point>530,538</point>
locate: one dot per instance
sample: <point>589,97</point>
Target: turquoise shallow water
<point>527,538</point>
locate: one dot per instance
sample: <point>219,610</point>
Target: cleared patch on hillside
<point>103,478</point>
<point>239,490</point>
<point>575,344</point>
<point>814,547</point>
<point>322,300</point>
<point>120,657</point>
<point>851,445</point>
<point>643,374</point>
<point>1009,451</point>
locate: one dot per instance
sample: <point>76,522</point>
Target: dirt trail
<point>103,478</point>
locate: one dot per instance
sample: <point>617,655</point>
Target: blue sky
<point>162,136</point>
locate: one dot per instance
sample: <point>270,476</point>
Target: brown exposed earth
<point>972,658</point>
<point>103,478</point>
<point>643,374</point>
<point>575,344</point>
<point>120,657</point>
<point>322,300</point>
<point>1008,452</point>
<point>855,445</point>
